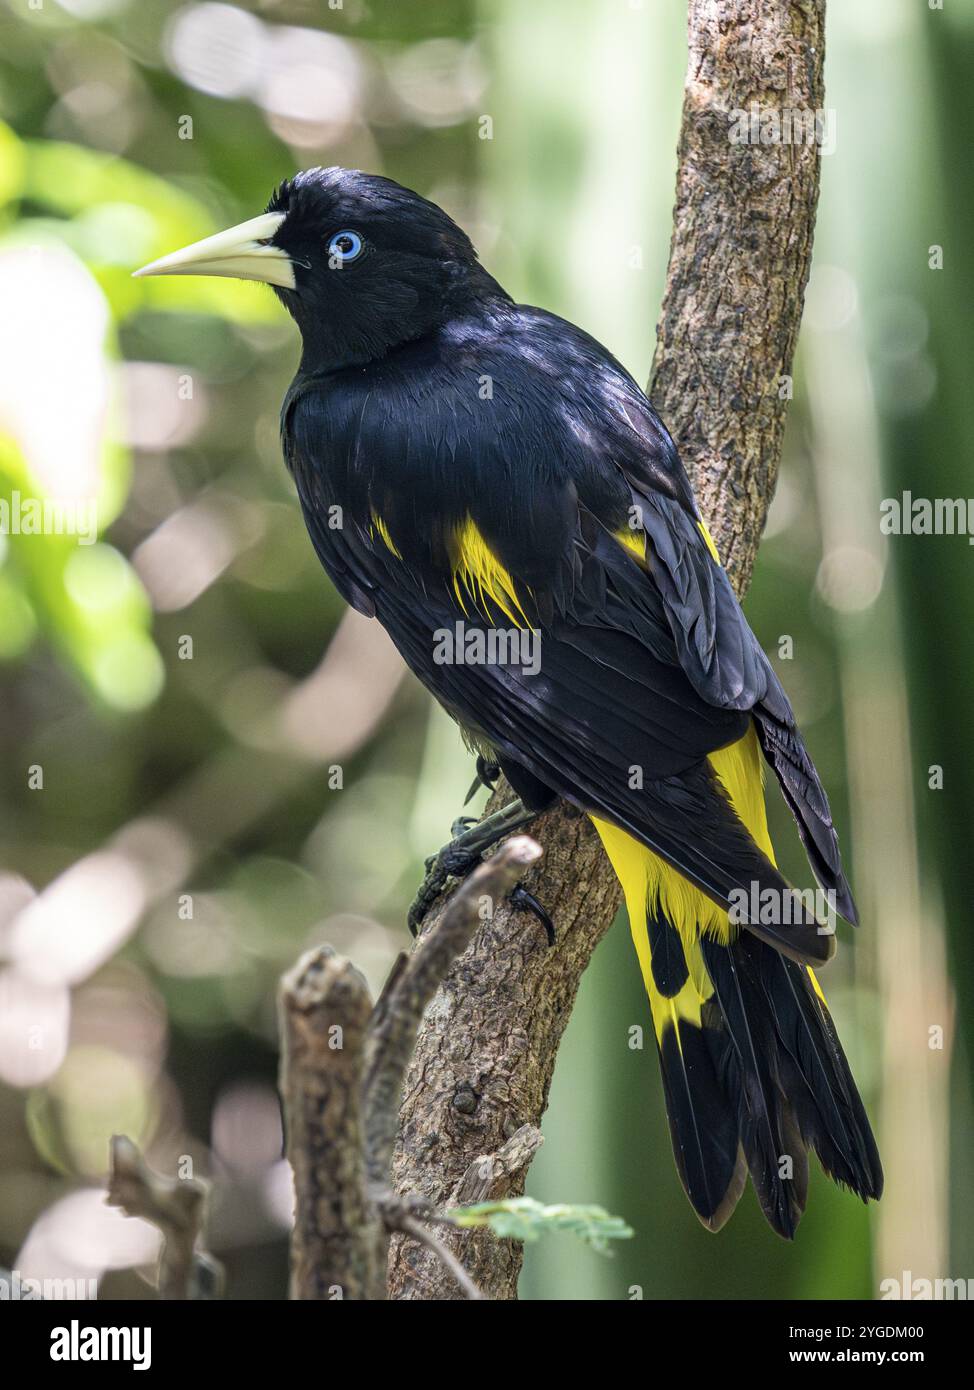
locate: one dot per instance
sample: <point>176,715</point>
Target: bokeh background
<point>207,765</point>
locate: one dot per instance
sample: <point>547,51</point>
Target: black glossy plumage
<point>704,1124</point>
<point>546,468</point>
<point>669,963</point>
<point>426,397</point>
<point>782,1069</point>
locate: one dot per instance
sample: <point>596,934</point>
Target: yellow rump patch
<point>645,880</point>
<point>740,767</point>
<point>650,884</point>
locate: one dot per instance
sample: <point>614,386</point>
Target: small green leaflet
<point>522,1218</point>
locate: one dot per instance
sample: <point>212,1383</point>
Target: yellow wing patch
<point>709,539</point>
<point>478,573</point>
<point>636,541</point>
<point>815,984</point>
<point>633,540</point>
<point>649,883</point>
<point>380,528</point>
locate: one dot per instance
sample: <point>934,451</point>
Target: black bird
<point>486,480</point>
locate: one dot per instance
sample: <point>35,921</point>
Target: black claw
<point>487,775</point>
<point>488,772</point>
<point>524,901</point>
<point>461,825</point>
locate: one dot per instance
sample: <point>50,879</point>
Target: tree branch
<point>739,263</point>
<point>739,260</point>
<point>336,1244</point>
<point>342,1069</point>
<point>177,1207</point>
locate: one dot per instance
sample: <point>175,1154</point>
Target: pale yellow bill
<point>241,252</point>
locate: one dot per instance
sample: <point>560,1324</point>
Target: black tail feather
<point>765,1074</point>
<point>703,1129</point>
<point>752,1085</point>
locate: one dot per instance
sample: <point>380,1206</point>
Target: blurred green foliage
<point>523,1218</point>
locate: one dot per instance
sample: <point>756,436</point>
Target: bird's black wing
<point>721,656</point>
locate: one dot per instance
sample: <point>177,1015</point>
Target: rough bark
<point>412,983</point>
<point>739,261</point>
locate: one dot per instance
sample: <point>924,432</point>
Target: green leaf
<point>522,1218</point>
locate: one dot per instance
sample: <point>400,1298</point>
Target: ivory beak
<point>244,252</point>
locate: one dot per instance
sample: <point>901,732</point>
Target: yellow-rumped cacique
<point>471,466</point>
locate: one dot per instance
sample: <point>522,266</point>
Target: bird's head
<point>361,263</point>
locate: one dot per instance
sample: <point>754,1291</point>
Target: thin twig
<point>342,1066</point>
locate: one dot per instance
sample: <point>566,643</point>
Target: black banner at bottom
<point>188,1338</point>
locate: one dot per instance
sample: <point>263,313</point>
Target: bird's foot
<point>471,840</point>
<point>459,827</point>
<point>453,861</point>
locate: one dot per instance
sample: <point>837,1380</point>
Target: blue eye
<point>344,246</point>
